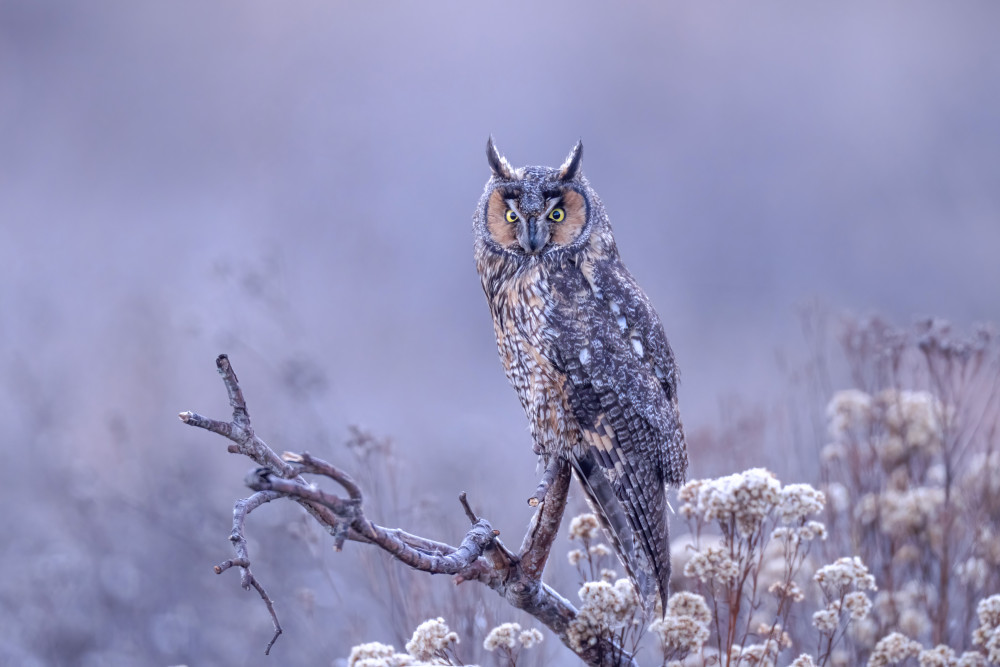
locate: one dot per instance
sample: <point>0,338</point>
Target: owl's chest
<point>523,315</point>
<point>522,319</point>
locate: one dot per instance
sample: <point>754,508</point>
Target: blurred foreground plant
<point>912,467</point>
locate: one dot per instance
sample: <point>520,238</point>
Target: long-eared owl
<point>585,352</point>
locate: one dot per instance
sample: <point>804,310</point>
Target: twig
<point>240,511</point>
<point>309,464</point>
<point>270,610</point>
<point>239,430</point>
<point>464,499</point>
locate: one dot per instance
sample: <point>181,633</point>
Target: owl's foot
<point>547,478</point>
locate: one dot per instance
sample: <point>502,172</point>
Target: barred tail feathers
<point>615,518</point>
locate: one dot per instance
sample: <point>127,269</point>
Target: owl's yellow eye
<point>511,216</point>
<point>557,215</point>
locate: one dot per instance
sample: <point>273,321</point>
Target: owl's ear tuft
<point>569,168</point>
<point>498,163</point>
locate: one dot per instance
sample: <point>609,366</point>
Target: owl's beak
<point>533,235</point>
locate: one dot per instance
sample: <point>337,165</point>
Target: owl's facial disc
<point>532,220</point>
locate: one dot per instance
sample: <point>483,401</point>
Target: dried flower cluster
<point>530,638</point>
<point>893,648</point>
<point>827,620</point>
<point>798,502</point>
<point>843,574</point>
<point>510,635</point>
<point>431,640</point>
<point>987,634</point>
<point>584,527</point>
<point>504,635</point>
<point>944,656</point>
<point>843,583</point>
<point>432,644</point>
<point>911,511</point>
<point>971,659</point>
<point>849,415</point>
<point>374,654</point>
<point>684,628</point>
<point>764,654</point>
<point>589,560</point>
<point>983,474</point>
<point>905,422</point>
<point>744,498</point>
<point>607,608</point>
<point>712,564</point>
<point>809,530</point>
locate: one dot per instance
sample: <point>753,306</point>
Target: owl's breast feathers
<point>521,302</point>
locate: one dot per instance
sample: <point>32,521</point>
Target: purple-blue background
<point>293,183</point>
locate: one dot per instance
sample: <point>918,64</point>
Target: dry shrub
<point>912,468</point>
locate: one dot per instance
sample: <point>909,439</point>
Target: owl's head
<point>535,211</point>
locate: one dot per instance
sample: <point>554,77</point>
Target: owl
<point>585,351</point>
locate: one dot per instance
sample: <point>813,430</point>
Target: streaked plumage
<point>585,352</point>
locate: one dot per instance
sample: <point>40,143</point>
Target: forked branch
<point>481,556</point>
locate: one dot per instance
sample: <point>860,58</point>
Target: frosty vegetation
<point>891,556</point>
<point>433,643</point>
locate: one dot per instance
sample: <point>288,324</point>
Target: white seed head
<point>712,564</point>
<point>843,573</point>
<point>431,639</point>
<point>689,604</point>
<point>584,527</point>
<point>893,648</point>
<point>530,638</point>
<point>505,635</point>
<point>826,620</point>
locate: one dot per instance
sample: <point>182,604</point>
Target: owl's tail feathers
<point>647,563</point>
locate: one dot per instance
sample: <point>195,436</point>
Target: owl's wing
<point>620,379</point>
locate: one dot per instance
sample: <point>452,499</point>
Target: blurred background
<point>293,184</point>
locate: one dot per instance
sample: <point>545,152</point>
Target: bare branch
<point>240,511</point>
<point>309,464</point>
<point>239,430</point>
<point>545,522</point>
<point>265,479</point>
<point>551,470</point>
<point>481,556</point>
